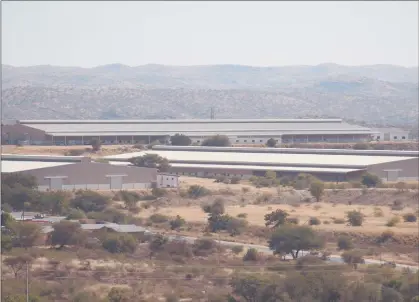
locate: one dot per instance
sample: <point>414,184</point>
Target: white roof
<point>10,166</point>
<point>265,158</point>
<point>249,167</point>
<point>265,168</point>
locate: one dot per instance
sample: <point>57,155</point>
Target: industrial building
<point>328,165</point>
<point>243,131</point>
<point>390,134</point>
<point>60,173</point>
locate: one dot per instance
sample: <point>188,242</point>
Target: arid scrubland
<point>358,224</point>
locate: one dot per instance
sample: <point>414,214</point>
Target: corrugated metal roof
<point>252,167</point>
<point>9,166</point>
<point>195,127</point>
<point>178,121</point>
<point>257,159</point>
<point>266,168</point>
<point>44,157</point>
<point>120,228</point>
<point>290,150</point>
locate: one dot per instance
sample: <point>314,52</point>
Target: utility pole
<point>27,281</point>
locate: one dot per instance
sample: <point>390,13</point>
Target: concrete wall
<point>391,135</point>
<point>13,134</point>
<point>167,181</point>
<point>95,176</point>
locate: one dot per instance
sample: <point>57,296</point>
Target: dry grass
<point>327,211</point>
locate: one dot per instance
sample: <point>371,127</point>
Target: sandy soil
<point>323,211</point>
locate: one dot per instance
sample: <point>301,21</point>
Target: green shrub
<point>409,217</point>
<point>177,223</point>
<point>196,191</point>
<point>393,221</point>
<point>119,243</point>
<point>355,218</point>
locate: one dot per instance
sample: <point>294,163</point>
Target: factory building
<point>327,165</point>
<point>73,173</point>
<point>240,132</point>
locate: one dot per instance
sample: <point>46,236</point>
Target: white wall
<point>167,181</point>
<point>98,187</point>
<point>395,135</point>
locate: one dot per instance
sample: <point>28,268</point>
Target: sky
<point>88,34</point>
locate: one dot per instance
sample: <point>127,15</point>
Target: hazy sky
<point>88,34</point>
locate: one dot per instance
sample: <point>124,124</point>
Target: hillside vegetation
<point>369,93</point>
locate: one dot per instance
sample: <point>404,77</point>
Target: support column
<point>65,140</point>
<point>82,140</point>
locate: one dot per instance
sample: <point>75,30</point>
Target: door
<point>116,182</point>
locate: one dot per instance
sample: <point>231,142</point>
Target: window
<point>198,141</point>
<point>261,141</point>
<point>253,141</point>
<point>378,137</point>
<point>245,140</point>
<point>395,137</point>
<point>403,137</point>
<point>237,140</point>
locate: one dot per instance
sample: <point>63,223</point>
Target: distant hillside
<point>377,94</point>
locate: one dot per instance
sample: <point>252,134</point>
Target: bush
<point>217,141</point>
<point>196,191</point>
<point>353,257</point>
<point>386,235</point>
<point>314,221</point>
<point>345,243</point>
<point>338,220</point>
<point>89,201</point>
<point>361,146</point>
<point>355,218</point>
<point>159,218</point>
<point>293,220</point>
<point>242,215</point>
<point>393,221</point>
<point>237,249</point>
<point>370,180</point>
<point>251,255</point>
<point>309,262</point>
<point>177,223</point>
<point>76,214</point>
<point>409,217</point>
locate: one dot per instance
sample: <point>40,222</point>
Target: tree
<point>217,141</point>
<point>291,239</point>
<point>271,143</point>
<point>18,263</point>
<point>76,214</point>
<point>66,233</point>
<point>353,257</point>
<point>27,234</point>
<point>255,288</point>
<point>276,218</point>
<point>157,244</point>
<point>119,243</point>
<point>361,146</point>
<point>180,140</point>
<point>317,190</point>
<point>90,201</point>
<point>270,174</point>
<point>6,219</point>
<point>345,243</point>
<point>355,218</point>
<point>177,223</point>
<point>370,180</point>
<point>6,243</point>
<point>13,180</point>
<point>96,144</point>
<point>151,161</point>
<point>55,202</point>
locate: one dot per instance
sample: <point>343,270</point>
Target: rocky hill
<point>377,94</point>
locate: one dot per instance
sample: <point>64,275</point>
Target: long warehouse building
<point>328,165</point>
<point>243,131</point>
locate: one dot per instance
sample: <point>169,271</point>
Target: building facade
<point>242,132</point>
